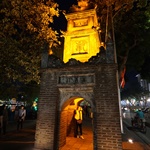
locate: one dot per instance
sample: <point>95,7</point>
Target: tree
<point>130,20</point>
<point>132,36</point>
<point>25,32</point>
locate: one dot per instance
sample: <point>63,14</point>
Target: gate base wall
<point>51,127</point>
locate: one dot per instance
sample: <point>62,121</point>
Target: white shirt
<point>22,113</point>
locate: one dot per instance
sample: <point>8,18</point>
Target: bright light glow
<point>137,75</point>
<point>133,101</point>
<point>127,101</point>
<point>148,100</point>
<point>141,102</point>
<point>130,140</point>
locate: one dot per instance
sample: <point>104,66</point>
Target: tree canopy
<point>25,31</point>
<point>132,32</point>
<point>131,20</point>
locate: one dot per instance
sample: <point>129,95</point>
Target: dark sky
<point>65,4</point>
<point>61,23</point>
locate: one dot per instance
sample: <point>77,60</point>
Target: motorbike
<point>139,124</point>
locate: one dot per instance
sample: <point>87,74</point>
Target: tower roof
<point>82,5</point>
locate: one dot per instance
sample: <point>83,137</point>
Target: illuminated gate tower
<point>88,72</point>
<point>82,38</point>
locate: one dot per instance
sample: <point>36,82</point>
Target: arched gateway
<point>86,73</point>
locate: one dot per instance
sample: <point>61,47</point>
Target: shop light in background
<point>130,141</point>
<point>34,105</point>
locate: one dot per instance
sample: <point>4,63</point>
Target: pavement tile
<point>72,143</point>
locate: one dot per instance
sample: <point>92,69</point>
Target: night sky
<point>61,22</point>
<point>65,4</point>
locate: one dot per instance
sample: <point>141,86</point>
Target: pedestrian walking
<point>5,118</point>
<point>22,115</point>
<point>78,122</point>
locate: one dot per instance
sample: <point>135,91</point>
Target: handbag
<point>79,121</point>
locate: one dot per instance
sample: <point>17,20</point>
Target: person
<point>139,116</point>
<point>16,116</point>
<point>5,118</point>
<point>21,118</point>
<point>78,122</point>
<point>1,118</point>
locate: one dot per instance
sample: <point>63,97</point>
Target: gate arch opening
<point>67,121</point>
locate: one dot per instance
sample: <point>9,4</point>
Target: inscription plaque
<point>81,22</point>
<point>80,45</point>
<point>74,79</point>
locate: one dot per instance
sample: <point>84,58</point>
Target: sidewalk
<point>12,125</point>
<point>26,138</point>
<point>87,144</point>
<point>137,143</point>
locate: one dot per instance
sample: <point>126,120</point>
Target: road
<point>143,137</point>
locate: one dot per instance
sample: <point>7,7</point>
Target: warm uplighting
<point>50,52</point>
<point>81,40</point>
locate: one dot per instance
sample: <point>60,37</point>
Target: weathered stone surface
<point>56,105</point>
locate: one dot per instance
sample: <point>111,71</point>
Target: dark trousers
<point>78,129</point>
<point>20,124</point>
<point>4,127</point>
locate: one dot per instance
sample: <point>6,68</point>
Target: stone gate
<point>87,72</point>
<point>95,83</point>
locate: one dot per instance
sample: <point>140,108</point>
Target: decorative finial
<point>83,3</point>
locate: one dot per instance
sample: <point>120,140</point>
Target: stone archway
<point>69,101</point>
<point>68,93</point>
<point>95,83</point>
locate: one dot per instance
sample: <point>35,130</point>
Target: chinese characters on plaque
<point>72,79</point>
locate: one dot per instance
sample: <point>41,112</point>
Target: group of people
<point>20,115</point>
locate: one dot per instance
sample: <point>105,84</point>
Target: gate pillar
<point>46,128</point>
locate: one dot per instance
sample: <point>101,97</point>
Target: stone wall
<point>52,125</point>
<point>46,118</point>
<point>106,121</point>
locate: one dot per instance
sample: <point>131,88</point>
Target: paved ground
<point>24,140</point>
<point>19,140</point>
<point>87,144</point>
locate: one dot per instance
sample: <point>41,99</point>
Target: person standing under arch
<point>78,119</point>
